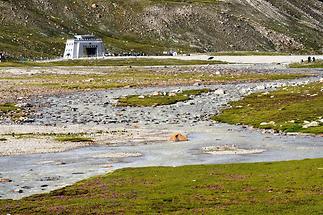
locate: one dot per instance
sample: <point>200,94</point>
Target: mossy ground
<point>157,100</point>
<point>292,187</point>
<point>288,108</point>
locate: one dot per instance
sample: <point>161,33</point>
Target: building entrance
<point>91,52</point>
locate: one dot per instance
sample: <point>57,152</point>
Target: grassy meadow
<point>111,62</point>
<point>286,110</point>
<point>293,187</point>
<point>157,100</point>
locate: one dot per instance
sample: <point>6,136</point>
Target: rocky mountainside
<point>40,27</point>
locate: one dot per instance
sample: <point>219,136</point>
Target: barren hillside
<point>40,27</point>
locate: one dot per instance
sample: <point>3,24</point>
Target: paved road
<point>236,59</point>
<point>231,59</point>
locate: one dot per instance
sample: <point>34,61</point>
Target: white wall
<point>75,48</point>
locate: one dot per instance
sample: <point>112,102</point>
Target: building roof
<point>85,37</point>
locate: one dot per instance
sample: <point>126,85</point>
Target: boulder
<point>219,92</point>
<point>260,87</point>
<point>178,137</point>
<point>311,124</point>
<point>5,180</point>
<point>267,123</point>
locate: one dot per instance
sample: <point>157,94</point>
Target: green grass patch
<point>10,110</point>
<point>282,110</point>
<point>248,53</point>
<point>61,137</point>
<point>316,64</point>
<point>112,62</point>
<point>157,100</point>
<point>139,78</point>
<point>73,138</point>
<point>8,107</point>
<point>292,187</point>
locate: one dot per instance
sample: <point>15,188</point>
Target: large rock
<point>178,137</point>
<point>219,92</point>
<point>311,124</point>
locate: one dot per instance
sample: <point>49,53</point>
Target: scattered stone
<point>94,6</point>
<point>311,124</point>
<point>5,180</point>
<point>17,190</point>
<point>229,150</point>
<point>50,178</point>
<point>219,92</point>
<point>260,87</point>
<point>267,123</point>
<point>119,155</point>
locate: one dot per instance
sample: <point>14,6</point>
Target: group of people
<point>309,60</point>
<point>2,57</point>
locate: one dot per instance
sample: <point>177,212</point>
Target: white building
<point>83,46</point>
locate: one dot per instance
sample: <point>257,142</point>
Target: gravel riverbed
<point>135,136</point>
<point>99,107</point>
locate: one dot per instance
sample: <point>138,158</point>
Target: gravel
<point>99,107</point>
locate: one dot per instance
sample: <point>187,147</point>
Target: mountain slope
<point>40,27</point>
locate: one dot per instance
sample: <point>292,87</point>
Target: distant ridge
<point>35,28</point>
